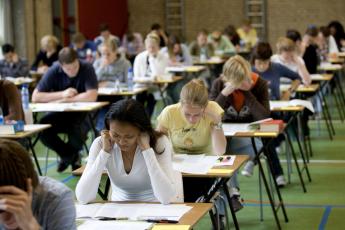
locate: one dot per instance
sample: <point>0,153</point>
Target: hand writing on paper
<point>16,206</point>
<point>107,141</point>
<point>144,141</point>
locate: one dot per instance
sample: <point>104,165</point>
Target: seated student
<point>231,33</point>
<point>148,65</point>
<point>296,37</point>
<point>287,56</point>
<point>310,56</point>
<point>337,31</point>
<point>106,35</point>
<point>110,68</point>
<point>248,34</point>
<point>28,201</point>
<point>221,43</point>
<point>69,80</point>
<point>47,55</point>
<point>137,159</point>
<point>272,72</point>
<point>177,52</point>
<point>12,65</point>
<point>201,46</point>
<point>132,44</point>
<point>327,43</point>
<point>86,49</point>
<point>159,31</point>
<point>194,127</point>
<point>10,101</point>
<point>244,97</point>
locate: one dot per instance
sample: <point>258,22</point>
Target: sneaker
<point>280,181</point>
<point>234,191</point>
<point>62,166</point>
<point>248,169</point>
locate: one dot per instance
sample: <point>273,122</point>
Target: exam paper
<point>193,164</point>
<point>132,211</point>
<point>294,102</point>
<point>58,107</point>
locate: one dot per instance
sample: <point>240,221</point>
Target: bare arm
<point>89,95</point>
<point>38,96</point>
<point>286,95</point>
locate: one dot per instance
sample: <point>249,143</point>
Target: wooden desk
<point>186,69</point>
<point>160,82</point>
<point>113,92</point>
<point>67,107</point>
<point>211,61</point>
<point>308,89</point>
<point>19,81</point>
<point>329,67</point>
<point>29,131</point>
<point>321,77</point>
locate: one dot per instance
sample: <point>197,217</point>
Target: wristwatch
<point>218,126</point>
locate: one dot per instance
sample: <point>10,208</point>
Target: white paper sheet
<point>114,225</point>
<point>132,211</point>
<point>194,164</point>
<point>294,102</point>
<point>58,107</point>
<point>316,76</point>
<point>230,129</point>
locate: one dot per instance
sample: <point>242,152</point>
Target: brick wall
<point>215,14</point>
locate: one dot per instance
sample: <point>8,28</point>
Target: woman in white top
<point>177,52</point>
<point>138,160</point>
<point>148,66</point>
<point>287,56</point>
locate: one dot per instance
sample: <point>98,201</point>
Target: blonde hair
<point>194,93</point>
<point>110,44</point>
<point>285,44</point>
<point>152,37</point>
<point>236,70</point>
<point>49,40</point>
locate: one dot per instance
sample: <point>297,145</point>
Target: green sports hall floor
<point>322,207</point>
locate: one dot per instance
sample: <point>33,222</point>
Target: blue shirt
<point>273,74</point>
<point>57,80</point>
<point>82,52</point>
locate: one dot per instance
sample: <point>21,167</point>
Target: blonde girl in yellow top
<point>194,127</point>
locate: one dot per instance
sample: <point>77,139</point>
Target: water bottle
<point>25,103</point>
<point>117,85</point>
<point>1,117</point>
<point>130,79</point>
<point>25,96</point>
<point>203,56</point>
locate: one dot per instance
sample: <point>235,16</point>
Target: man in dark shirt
<point>69,80</point>
<point>12,65</point>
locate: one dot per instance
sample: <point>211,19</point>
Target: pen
<point>161,221</point>
<point>113,218</point>
<point>220,159</point>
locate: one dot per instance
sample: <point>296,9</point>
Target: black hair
<point>339,32</point>
<point>156,26</point>
<point>294,35</point>
<point>103,27</point>
<point>132,112</point>
<point>7,48</point>
<point>262,51</point>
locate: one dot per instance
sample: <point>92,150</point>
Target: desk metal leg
<point>104,195</point>
<point>262,173</point>
<point>325,107</point>
<point>35,156</point>
<point>325,115</point>
<point>233,214</point>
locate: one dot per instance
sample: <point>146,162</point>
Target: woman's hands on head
<point>144,141</point>
<point>107,141</point>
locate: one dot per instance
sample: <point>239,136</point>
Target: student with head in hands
<point>12,65</point>
<point>148,66</point>
<point>69,80</point>
<point>177,52</point>
<point>248,34</point>
<point>287,55</point>
<point>327,43</point>
<point>47,55</point>
<point>137,159</point>
<point>201,46</point>
<point>28,201</point>
<point>106,35</point>
<point>111,69</point>
<point>338,32</point>
<point>244,97</point>
<point>194,127</point>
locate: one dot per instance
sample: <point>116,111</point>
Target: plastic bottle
<point>130,79</point>
<point>203,56</point>
<point>25,103</point>
<point>117,85</point>
<point>1,117</point>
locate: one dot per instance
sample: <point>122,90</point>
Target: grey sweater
<point>116,70</point>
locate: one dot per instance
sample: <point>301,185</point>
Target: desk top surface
<point>28,131</point>
<point>67,107</point>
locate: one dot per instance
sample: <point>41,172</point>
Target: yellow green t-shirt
<point>186,137</point>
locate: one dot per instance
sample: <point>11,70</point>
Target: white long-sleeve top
<point>151,178</point>
<point>144,62</point>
